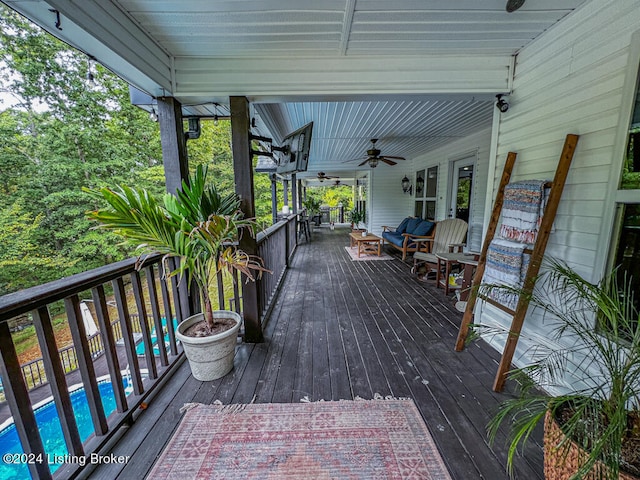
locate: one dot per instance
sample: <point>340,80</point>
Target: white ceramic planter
<point>210,357</point>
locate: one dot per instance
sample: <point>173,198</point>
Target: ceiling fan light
<point>373,162</point>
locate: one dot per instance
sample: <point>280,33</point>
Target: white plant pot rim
<point>186,323</point>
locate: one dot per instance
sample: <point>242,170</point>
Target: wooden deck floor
<point>342,329</point>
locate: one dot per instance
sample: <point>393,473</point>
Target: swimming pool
<point>51,431</point>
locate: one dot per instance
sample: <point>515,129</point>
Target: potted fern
<point>357,217</point>
<point>592,429</point>
<point>200,228</point>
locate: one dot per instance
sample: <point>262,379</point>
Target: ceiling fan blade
<point>356,159</point>
<point>395,158</point>
<point>387,161</point>
<point>360,164</point>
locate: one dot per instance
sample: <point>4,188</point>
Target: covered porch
<point>341,329</point>
<point>361,70</point>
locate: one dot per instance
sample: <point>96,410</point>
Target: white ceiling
<point>413,73</point>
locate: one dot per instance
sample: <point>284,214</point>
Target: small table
<point>468,268</point>
<point>445,262</point>
<point>370,244</point>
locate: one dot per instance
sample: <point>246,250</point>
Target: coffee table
<point>368,244</point>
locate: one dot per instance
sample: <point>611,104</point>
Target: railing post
<point>17,397</point>
<point>56,378</point>
<point>109,343</point>
<point>85,364</point>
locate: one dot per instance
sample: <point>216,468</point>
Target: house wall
<point>476,145</point>
<point>389,204</point>
<point>573,79</point>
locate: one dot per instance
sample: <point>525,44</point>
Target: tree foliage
<point>62,132</point>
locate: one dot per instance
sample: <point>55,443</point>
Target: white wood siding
<point>477,145</point>
<point>572,80</point>
<point>388,204</point>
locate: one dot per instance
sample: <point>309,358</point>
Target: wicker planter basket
<point>559,464</point>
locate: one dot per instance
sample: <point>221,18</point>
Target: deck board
<point>342,329</point>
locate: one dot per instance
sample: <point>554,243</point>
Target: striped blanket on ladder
<point>505,270</point>
<point>522,210</point>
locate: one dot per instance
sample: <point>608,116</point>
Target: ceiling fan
<point>373,157</point>
<point>323,176</point>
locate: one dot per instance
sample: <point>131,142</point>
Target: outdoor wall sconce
<point>513,5</point>
<point>419,184</point>
<point>406,185</point>
<point>501,104</point>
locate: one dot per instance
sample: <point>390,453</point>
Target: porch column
<point>174,143</point>
<point>285,191</point>
<point>176,169</point>
<point>243,174</point>
<point>294,193</point>
<point>301,194</point>
<point>274,198</point>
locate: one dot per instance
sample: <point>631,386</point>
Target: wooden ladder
<point>537,254</point>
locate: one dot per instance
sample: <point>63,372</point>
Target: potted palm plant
<point>592,429</point>
<point>200,228</point>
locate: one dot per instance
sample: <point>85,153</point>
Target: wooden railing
<point>124,287</point>
<point>332,214</point>
<point>130,289</point>
<point>276,246</point>
<point>34,373</point>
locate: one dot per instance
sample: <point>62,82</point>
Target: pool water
<point>51,431</point>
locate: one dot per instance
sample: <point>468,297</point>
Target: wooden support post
<point>491,230</point>
<point>294,193</point>
<point>174,143</point>
<point>243,172</point>
<point>274,198</point>
<point>176,168</point>
<point>536,259</point>
<point>285,191</point>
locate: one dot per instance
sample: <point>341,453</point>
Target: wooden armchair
<point>450,234</point>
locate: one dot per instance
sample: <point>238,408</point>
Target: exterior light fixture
<point>153,116</point>
<point>419,184</point>
<point>406,185</point>
<point>501,104</point>
<point>513,5</point>
<point>215,114</point>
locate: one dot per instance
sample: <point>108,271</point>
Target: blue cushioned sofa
<point>404,235</point>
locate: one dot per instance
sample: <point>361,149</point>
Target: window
<point>426,187</point>
<point>627,244</point>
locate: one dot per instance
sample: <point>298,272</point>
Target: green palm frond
<point>199,227</point>
<point>596,339</point>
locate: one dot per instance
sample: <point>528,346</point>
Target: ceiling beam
<point>280,78</point>
<point>349,10</point>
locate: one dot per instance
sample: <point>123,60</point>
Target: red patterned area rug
<point>361,439</point>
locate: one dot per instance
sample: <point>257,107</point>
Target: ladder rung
<point>496,304</point>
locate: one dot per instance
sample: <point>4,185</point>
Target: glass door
<point>461,189</point>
